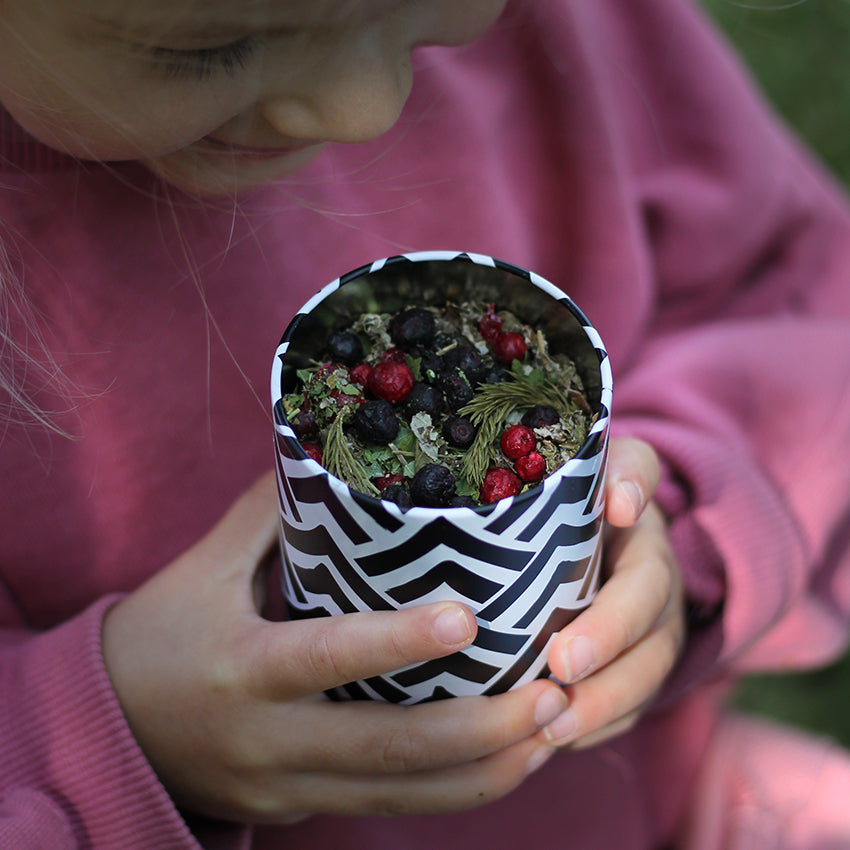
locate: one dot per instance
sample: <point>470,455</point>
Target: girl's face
<point>217,95</point>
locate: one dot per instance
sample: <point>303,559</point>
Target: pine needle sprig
<point>340,461</point>
<point>491,406</point>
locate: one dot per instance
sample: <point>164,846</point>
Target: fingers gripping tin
<point>525,565</point>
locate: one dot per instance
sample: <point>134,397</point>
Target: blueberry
<point>345,346</point>
<point>468,360</point>
<point>375,421</point>
<point>424,399</point>
<point>412,327</point>
<point>304,424</point>
<point>497,375</point>
<point>539,416</point>
<point>433,486</point>
<point>443,340</point>
<point>429,363</point>
<point>456,389</point>
<point>459,431</point>
<point>462,502</point>
<point>398,495</point>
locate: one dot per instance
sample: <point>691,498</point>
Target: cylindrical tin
<point>525,565</point>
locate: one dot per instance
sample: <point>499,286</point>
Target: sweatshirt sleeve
<point>742,378</point>
<point>73,776</point>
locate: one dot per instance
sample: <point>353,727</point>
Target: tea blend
<point>448,406</point>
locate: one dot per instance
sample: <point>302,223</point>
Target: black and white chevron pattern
<point>525,566</point>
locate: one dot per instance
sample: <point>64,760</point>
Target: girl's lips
<point>211,143</point>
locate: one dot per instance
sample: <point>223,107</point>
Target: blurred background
<point>799,51</point>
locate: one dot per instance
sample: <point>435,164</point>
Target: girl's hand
<point>228,707</point>
<point>616,654</point>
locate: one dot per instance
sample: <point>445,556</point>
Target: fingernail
<point>634,496</point>
<point>548,706</point>
<point>562,728</point>
<point>537,759</point>
<point>578,657</point>
<point>451,626</point>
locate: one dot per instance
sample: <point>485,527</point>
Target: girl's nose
<point>346,100</point>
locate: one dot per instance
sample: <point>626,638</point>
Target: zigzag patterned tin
<point>525,565</point>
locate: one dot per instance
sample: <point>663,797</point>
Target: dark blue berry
<point>412,327</point>
<point>304,424</point>
<point>540,416</point>
<point>398,495</point>
<point>468,360</point>
<point>456,389</point>
<point>375,422</point>
<point>459,431</point>
<point>429,364</point>
<point>432,486</point>
<point>424,399</point>
<point>346,347</point>
<point>462,502</point>
<point>497,375</point>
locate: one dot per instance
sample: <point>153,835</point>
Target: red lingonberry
<point>531,467</point>
<point>360,374</point>
<point>509,346</point>
<point>498,483</point>
<point>490,325</point>
<point>391,381</point>
<point>394,354</point>
<point>384,481</point>
<point>313,450</point>
<point>518,441</point>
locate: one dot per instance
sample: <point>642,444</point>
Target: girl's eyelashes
<point>203,62</point>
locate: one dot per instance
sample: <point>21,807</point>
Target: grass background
<point>799,51</point>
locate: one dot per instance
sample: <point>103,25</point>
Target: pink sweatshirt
<point>612,146</point>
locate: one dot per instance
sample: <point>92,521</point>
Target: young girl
<point>612,147</point>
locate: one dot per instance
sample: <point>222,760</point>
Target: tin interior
<point>436,282</point>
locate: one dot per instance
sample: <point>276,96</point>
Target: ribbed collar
<point>19,151</point>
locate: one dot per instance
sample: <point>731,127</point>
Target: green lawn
<point>799,50</point>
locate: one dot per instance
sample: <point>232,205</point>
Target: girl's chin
<point>218,174</point>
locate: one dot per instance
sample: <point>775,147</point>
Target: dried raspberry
<point>391,380</point>
<point>459,432</point>
<point>509,346</point>
<point>531,468</point>
<point>517,441</point>
<point>345,346</point>
<point>396,355</point>
<point>540,416</point>
<point>313,450</point>
<point>346,399</point>
<point>432,486</point>
<point>498,483</point>
<point>375,422</point>
<point>490,325</point>
<point>412,327</point>
<point>384,481</point>
<point>360,374</point>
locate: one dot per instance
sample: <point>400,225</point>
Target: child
<point>612,147</point>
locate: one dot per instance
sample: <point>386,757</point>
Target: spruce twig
<point>492,405</point>
<point>340,461</point>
